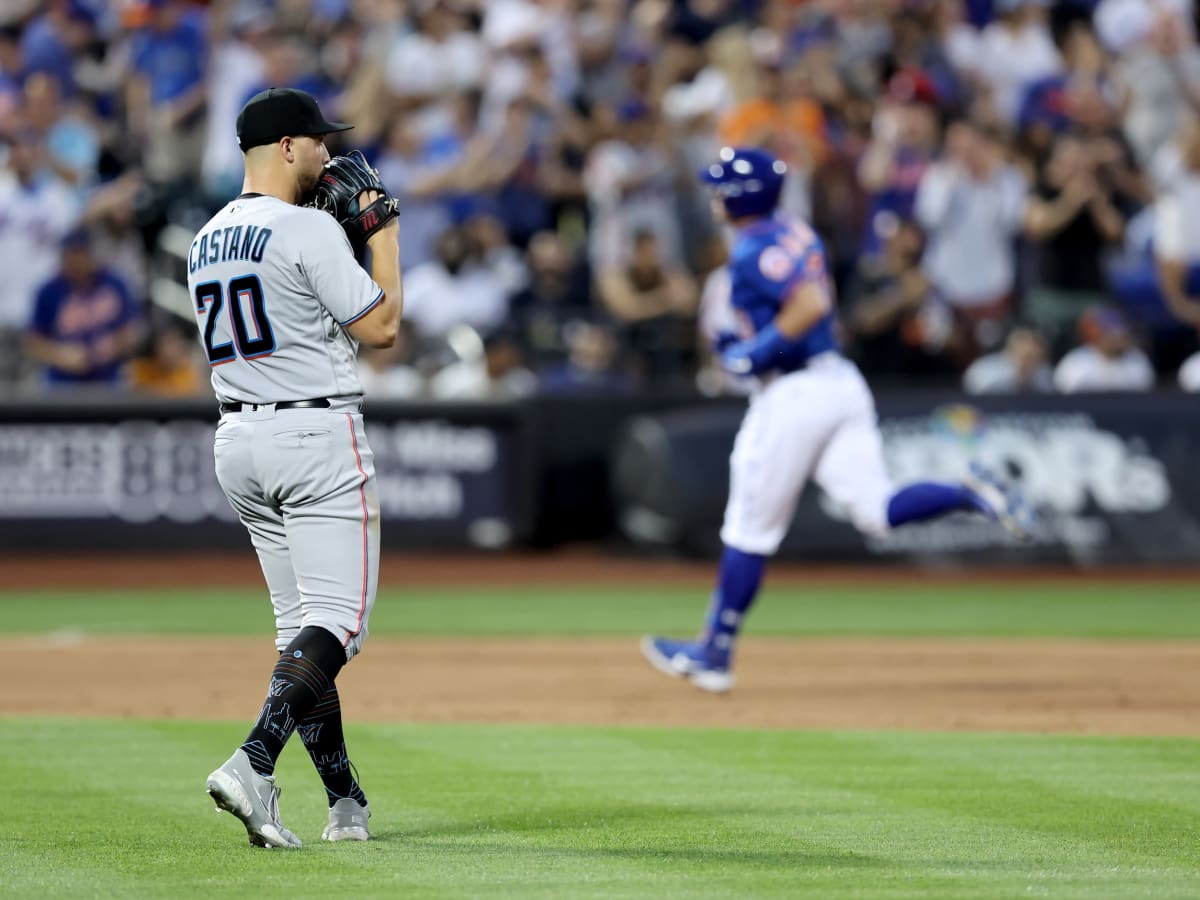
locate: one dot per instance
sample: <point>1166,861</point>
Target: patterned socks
<point>321,732</point>
<point>302,676</point>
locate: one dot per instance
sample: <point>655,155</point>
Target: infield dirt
<point>1087,687</point>
<point>1043,685</point>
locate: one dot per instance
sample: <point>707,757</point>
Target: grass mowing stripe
<point>622,830</point>
<point>1012,806</point>
<point>531,811</point>
<point>1115,610</point>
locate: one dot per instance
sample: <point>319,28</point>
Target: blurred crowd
<point>1009,190</point>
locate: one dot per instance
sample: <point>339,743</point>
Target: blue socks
<point>741,573</point>
<point>928,500</point>
<point>737,585</point>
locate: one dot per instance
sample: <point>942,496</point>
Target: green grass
<point>101,808</point>
<point>109,809</point>
<point>1094,610</point>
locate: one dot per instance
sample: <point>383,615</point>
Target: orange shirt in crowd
<point>795,131</point>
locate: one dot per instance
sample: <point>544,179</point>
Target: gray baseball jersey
<point>274,286</point>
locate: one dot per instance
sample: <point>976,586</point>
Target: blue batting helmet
<point>747,180</point>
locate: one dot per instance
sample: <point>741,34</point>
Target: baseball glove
<point>337,193</point>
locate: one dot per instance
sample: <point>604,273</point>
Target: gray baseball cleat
<point>347,821</point>
<point>253,798</point>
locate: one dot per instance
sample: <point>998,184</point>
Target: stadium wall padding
<point>1112,476</point>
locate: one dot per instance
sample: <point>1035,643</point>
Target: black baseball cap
<point>281,112</point>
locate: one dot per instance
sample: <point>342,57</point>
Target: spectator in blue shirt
<point>904,142</point>
<point>52,41</point>
<point>166,96</point>
<point>171,52</point>
<point>85,323</point>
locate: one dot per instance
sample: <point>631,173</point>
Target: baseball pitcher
<point>811,415</point>
<point>282,305</point>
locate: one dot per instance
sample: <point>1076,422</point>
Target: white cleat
<point>1004,502</point>
<point>254,799</point>
<point>347,821</point>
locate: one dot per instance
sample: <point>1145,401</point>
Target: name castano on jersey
<point>274,286</point>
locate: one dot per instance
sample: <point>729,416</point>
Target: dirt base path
<point>1094,687</point>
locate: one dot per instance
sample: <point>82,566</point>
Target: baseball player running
<point>282,305</point>
<point>811,415</point>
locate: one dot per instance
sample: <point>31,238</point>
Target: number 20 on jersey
<point>242,293</point>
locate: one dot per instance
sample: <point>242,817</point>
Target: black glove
<point>337,193</point>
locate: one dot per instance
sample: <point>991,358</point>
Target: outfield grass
<point>116,809</point>
<point>1094,610</point>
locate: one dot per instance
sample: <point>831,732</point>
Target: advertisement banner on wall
<point>1110,478</point>
<point>449,479</point>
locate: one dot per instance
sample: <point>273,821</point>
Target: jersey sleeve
<point>774,271</point>
<point>340,284</point>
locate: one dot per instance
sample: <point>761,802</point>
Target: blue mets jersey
<point>770,258</point>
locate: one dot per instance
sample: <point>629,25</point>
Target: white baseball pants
<point>820,423</point>
<point>303,483</point>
